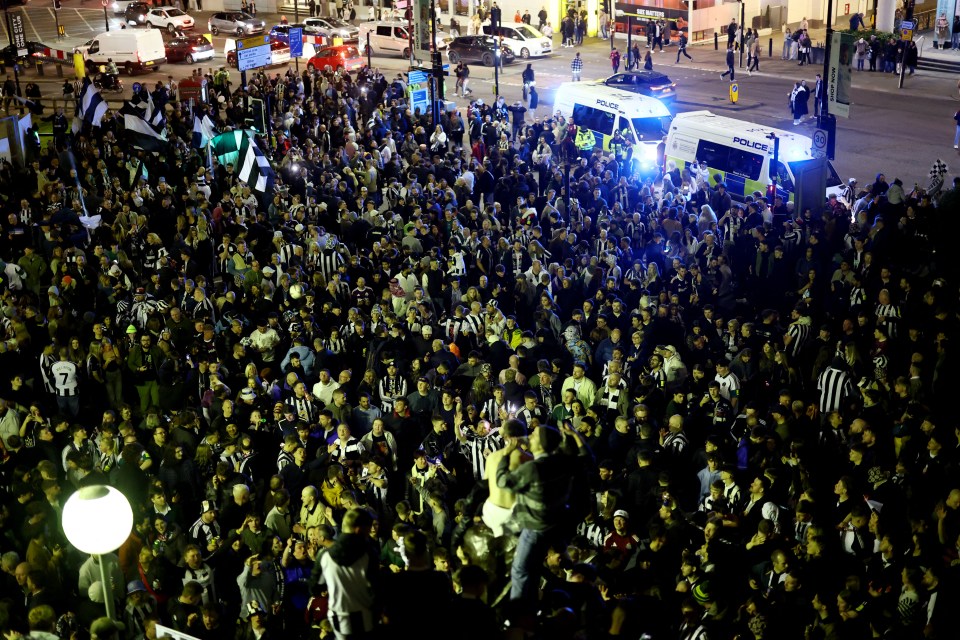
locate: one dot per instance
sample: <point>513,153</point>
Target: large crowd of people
<point>467,377</point>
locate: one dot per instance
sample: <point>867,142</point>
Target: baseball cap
<point>621,513</point>
<point>207,505</point>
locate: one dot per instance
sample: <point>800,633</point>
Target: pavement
<point>892,130</point>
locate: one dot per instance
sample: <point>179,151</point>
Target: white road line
<point>36,34</point>
<point>80,15</point>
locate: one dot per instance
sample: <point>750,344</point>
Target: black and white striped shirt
<point>835,388</point>
<point>391,388</point>
<point>203,533</point>
<point>799,334</point>
<point>891,315</point>
<point>477,448</point>
<point>284,459</point>
<point>304,408</point>
<point>65,378</point>
<point>491,410</point>
<point>328,262</point>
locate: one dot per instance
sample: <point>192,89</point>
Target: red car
<point>345,56</point>
<point>188,48</point>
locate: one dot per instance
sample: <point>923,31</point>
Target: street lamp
<point>743,29</point>
<point>106,22</point>
<point>97,520</point>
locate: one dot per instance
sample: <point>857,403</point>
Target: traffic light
<point>56,5</point>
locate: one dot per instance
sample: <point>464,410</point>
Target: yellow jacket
<point>585,139</point>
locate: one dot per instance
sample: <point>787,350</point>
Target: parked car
<point>345,57</point>
<point>169,18</point>
<point>392,38</point>
<point>648,83</point>
<point>120,6</point>
<point>136,13</point>
<point>524,40</point>
<point>279,52</point>
<point>480,49</point>
<point>236,22</point>
<point>331,27</point>
<point>188,48</point>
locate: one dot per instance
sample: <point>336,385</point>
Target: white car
<point>120,6</point>
<point>330,27</point>
<point>169,18</point>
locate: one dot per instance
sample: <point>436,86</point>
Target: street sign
<point>253,58</point>
<point>906,30</point>
<point>819,147</point>
<point>255,41</point>
<point>296,42</point>
<point>417,77</point>
<point>734,92</point>
<point>19,34</point>
<point>420,98</point>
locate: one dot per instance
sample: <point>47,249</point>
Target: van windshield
<point>527,31</point>
<point>648,128</point>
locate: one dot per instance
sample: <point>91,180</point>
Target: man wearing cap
<point>621,541</point>
<point>206,530</point>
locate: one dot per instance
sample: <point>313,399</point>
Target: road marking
<point>80,15</point>
<point>36,33</point>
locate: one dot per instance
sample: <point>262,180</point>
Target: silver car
<point>331,27</point>
<point>235,22</point>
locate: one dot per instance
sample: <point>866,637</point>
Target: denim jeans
<point>956,136</point>
<point>527,560</point>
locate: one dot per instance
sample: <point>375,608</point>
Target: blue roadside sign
<point>296,42</point>
<point>417,77</point>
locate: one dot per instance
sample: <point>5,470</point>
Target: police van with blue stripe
<point>642,120</point>
<point>741,154</point>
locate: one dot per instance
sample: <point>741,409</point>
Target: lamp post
<point>743,5</point>
<point>97,520</point>
<point>106,22</point>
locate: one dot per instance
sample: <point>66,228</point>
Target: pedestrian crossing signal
<point>56,6</point>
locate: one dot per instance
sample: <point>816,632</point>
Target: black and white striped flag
<point>239,149</point>
<point>91,107</point>
<point>145,122</point>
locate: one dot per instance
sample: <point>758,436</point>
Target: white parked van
<point>642,120</point>
<point>741,153</point>
<point>132,50</point>
<point>524,40</point>
<point>392,38</point>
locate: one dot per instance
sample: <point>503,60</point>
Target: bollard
<point>39,66</point>
<point>716,41</point>
<point>770,54</point>
<point>59,70</point>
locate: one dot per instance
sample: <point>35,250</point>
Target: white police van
<point>601,109</point>
<point>740,153</point>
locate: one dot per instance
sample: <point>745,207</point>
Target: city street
<point>898,132</point>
